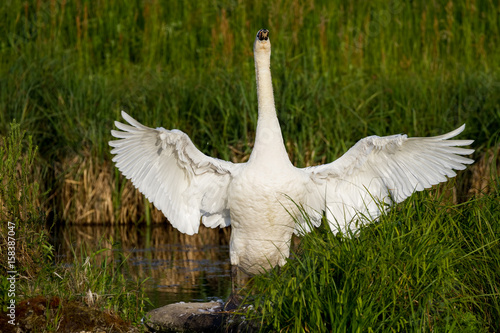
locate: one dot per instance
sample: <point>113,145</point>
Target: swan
<point>262,199</point>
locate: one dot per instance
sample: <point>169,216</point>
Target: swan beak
<point>263,34</point>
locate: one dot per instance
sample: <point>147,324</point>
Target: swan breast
<point>262,206</point>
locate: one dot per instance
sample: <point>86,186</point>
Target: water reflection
<point>180,267</point>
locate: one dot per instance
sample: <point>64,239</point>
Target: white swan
<point>255,198</point>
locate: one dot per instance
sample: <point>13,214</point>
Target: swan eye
<point>263,34</point>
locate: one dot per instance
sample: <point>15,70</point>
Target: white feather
<point>380,168</point>
<point>261,198</point>
<point>177,178</point>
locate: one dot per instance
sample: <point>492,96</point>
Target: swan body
<point>260,198</point>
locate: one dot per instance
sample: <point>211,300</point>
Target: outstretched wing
<point>173,174</point>
<point>378,171</point>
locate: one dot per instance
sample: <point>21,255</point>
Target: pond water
<point>179,267</point>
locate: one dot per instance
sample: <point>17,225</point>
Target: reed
<point>341,71</point>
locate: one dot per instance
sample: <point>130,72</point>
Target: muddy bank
<point>61,315</point>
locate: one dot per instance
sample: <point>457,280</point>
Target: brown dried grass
<point>93,191</point>
<point>87,190</point>
<point>485,173</point>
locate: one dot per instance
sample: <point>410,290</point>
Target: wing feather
<point>378,171</point>
<point>173,174</point>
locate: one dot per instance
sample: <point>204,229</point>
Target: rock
<point>196,317</point>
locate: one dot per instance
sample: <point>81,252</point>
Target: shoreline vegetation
<point>342,71</point>
<point>40,293</point>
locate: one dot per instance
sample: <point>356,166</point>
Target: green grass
<point>24,238</point>
<point>424,267</point>
<point>342,70</point>
<point>95,279</point>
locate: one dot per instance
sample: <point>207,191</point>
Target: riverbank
<point>342,70</point>
<point>39,292</point>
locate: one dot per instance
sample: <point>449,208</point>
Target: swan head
<point>262,44</point>
<point>263,34</point>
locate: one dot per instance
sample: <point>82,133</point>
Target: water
<point>180,267</point>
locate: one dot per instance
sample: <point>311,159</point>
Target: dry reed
<point>93,192</point>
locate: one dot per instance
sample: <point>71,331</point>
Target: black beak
<point>263,34</point>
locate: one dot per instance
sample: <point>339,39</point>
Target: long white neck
<point>269,147</point>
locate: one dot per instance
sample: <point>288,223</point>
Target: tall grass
<point>24,238</point>
<point>26,250</point>
<point>424,267</point>
<point>98,279</point>
<point>341,70</point>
